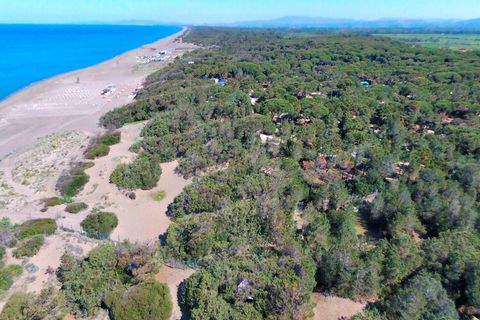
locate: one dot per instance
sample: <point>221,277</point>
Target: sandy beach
<point>73,101</point>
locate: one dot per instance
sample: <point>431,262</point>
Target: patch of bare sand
<point>141,219</point>
<point>37,273</point>
<point>334,308</point>
<point>48,257</point>
<point>174,277</point>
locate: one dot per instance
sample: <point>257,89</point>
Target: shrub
<point>143,173</point>
<point>422,297</point>
<point>110,138</point>
<point>99,225</point>
<point>29,247</point>
<point>75,184</point>
<point>76,207</point>
<point>35,227</point>
<point>7,274</point>
<point>49,304</point>
<point>149,300</point>
<point>72,183</point>
<point>138,260</point>
<point>135,111</point>
<point>13,309</point>
<point>159,196</point>
<point>3,250</point>
<point>85,282</point>
<point>7,233</point>
<point>53,202</point>
<point>97,150</point>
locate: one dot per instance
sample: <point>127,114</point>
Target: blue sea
<point>30,53</point>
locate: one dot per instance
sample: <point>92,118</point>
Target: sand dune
<point>141,219</point>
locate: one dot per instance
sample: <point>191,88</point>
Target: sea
<point>31,53</point>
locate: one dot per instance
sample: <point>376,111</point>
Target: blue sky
<point>216,11</point>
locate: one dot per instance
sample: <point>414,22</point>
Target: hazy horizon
<point>197,12</point>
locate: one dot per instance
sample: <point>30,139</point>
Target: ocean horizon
<point>32,53</point>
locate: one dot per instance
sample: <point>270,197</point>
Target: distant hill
<point>321,22</point>
<point>475,23</point>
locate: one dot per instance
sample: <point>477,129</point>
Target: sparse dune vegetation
<point>36,227</point>
<point>99,225</point>
<point>100,147</point>
<point>76,207</point>
<point>72,182</point>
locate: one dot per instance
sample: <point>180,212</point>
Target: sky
<point>227,11</point>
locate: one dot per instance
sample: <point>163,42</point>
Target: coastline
<point>60,103</point>
<point>34,83</point>
<point>46,127</point>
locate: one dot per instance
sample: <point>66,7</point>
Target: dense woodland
<point>345,164</point>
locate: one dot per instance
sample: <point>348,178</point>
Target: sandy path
<point>49,256</point>
<point>60,103</point>
<point>174,278</point>
<point>334,308</point>
<point>141,219</point>
<point>36,277</point>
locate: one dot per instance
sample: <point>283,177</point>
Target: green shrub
<point>7,274</point>
<point>75,184</point>
<point>110,138</point>
<point>49,304</point>
<point>5,224</point>
<point>143,173</point>
<point>147,301</point>
<point>97,150</point>
<point>159,196</point>
<point>36,226</point>
<point>85,282</point>
<point>76,207</point>
<point>13,309</point>
<point>83,166</point>
<point>53,202</point>
<point>29,247</point>
<point>8,233</point>
<point>72,183</point>
<point>99,225</point>
<point>3,250</point>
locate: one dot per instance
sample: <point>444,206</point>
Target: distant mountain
<point>321,22</point>
<point>131,23</point>
<point>475,23</point>
<point>294,22</point>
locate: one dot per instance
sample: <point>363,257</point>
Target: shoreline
<point>61,103</point>
<point>32,84</point>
